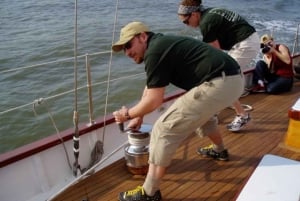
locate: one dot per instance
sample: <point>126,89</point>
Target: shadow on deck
<point>193,178</point>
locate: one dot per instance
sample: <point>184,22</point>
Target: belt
<point>227,72</point>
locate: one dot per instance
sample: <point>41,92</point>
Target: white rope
<point>40,101</point>
<point>245,106</point>
<point>133,140</point>
<point>109,70</point>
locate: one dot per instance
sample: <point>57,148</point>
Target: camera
<point>265,48</point>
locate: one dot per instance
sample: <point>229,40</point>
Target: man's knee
<point>209,127</point>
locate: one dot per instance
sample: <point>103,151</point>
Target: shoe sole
<point>258,92</point>
<point>207,156</point>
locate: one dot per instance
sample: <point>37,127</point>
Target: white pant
<point>245,52</point>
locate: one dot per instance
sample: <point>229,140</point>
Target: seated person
<point>274,74</point>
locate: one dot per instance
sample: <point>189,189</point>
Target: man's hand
<point>136,123</point>
<point>121,115</point>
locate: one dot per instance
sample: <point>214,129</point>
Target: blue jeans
<point>274,84</point>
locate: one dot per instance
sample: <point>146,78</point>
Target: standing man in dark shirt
<point>226,30</point>
<point>212,81</point>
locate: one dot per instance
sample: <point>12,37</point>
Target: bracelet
<point>127,116</point>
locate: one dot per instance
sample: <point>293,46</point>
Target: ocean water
<point>42,31</point>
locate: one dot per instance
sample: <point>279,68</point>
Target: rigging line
<point>109,71</point>
<point>76,165</point>
<point>120,78</point>
<point>52,62</point>
<point>295,46</point>
<point>89,88</point>
<point>40,101</point>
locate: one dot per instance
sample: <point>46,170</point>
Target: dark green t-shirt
<point>182,61</point>
<point>225,26</point>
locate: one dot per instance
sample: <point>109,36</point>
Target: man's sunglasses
<point>128,45</point>
<point>186,21</point>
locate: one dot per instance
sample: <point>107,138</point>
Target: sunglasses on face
<point>128,45</point>
<point>186,21</point>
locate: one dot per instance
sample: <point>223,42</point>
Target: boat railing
<point>87,83</point>
<point>296,42</point>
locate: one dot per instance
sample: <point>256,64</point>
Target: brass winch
<point>137,150</point>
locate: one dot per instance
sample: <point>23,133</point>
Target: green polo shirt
<point>182,61</point>
<point>225,26</point>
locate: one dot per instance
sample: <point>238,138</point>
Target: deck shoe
<point>210,152</point>
<point>258,89</point>
<point>138,194</point>
<point>238,123</point>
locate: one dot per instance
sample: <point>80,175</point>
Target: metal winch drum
<point>137,150</point>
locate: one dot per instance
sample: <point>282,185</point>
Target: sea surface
<point>43,31</point>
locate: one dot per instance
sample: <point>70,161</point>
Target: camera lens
<point>265,49</point>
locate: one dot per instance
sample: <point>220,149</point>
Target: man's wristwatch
<point>127,116</point>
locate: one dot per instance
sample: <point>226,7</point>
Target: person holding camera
<point>274,74</point>
<point>226,30</point>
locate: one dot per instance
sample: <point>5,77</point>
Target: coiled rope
<point>139,140</point>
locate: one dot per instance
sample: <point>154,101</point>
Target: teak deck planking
<point>191,177</point>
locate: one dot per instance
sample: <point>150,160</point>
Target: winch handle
<point>121,126</point>
<point>122,129</point>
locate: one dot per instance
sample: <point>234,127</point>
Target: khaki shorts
<point>189,112</point>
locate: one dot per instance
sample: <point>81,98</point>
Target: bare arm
<point>151,99</point>
<point>282,54</point>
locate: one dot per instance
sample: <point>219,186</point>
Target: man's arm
<point>151,99</point>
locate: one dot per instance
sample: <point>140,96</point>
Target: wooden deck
<point>193,178</point>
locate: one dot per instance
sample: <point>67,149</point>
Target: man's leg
<point>242,117</point>
<point>216,150</point>
<point>153,179</point>
<point>244,53</point>
<point>150,189</point>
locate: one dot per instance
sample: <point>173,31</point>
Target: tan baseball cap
<point>127,33</point>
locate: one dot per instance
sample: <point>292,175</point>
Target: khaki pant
<point>245,52</point>
<point>194,110</point>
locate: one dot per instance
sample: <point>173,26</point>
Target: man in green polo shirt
<point>226,30</point>
<point>212,81</point>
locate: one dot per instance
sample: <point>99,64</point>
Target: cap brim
<point>118,46</point>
